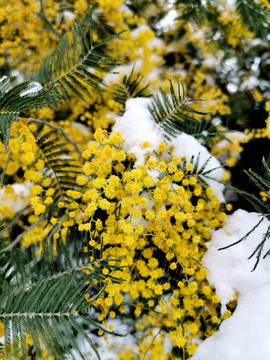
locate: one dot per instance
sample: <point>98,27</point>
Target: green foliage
<point>253,16</point>
<point>195,10</point>
<point>4,261</point>
<point>263,184</point>
<point>72,67</point>
<point>174,117</point>
<point>60,167</point>
<point>199,171</point>
<point>19,99</point>
<point>259,205</point>
<point>44,294</point>
<point>46,297</point>
<point>172,114</point>
<point>6,120</point>
<point>130,88</point>
<point>66,70</point>
<point>137,6</point>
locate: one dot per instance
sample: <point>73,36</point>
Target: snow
<point>136,127</point>
<point>187,146</point>
<point>115,76</point>
<point>84,129</point>
<point>33,88</point>
<point>68,15</point>
<point>139,30</point>
<point>229,270</point>
<point>167,22</point>
<point>4,87</point>
<point>246,333</point>
<point>156,42</point>
<point>107,351</point>
<point>19,76</point>
<point>236,138</point>
<point>3,78</point>
<point>19,200</point>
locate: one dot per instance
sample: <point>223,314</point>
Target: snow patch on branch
<point>136,127</point>
<point>33,89</point>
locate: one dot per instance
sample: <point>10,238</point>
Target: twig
<point>4,171</point>
<point>19,237</point>
<point>154,338</point>
<point>12,223</point>
<point>43,18</point>
<point>56,127</point>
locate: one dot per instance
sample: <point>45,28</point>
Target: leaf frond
<point>130,88</point>
<point>46,298</point>
<point>21,98</point>
<point>74,66</point>
<point>172,113</point>
<point>60,167</point>
<point>253,16</point>
<point>137,6</point>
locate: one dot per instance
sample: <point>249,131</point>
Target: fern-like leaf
<point>137,6</point>
<point>260,206</point>
<point>130,88</point>
<point>60,167</point>
<point>201,172</point>
<point>5,264</point>
<point>253,16</point>
<point>207,130</point>
<point>6,120</point>
<point>21,98</point>
<point>195,10</point>
<point>173,115</point>
<point>199,11</point>
<point>46,298</point>
<point>74,67</point>
<point>46,311</point>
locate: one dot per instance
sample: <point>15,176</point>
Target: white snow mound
<point>136,127</point>
<point>246,334</point>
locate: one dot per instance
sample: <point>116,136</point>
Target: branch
<point>25,211</point>
<point>43,18</point>
<point>56,127</point>
<point>19,237</point>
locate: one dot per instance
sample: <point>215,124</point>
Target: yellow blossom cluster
<point>260,133</point>
<point>156,230</point>
<point>22,147</point>
<point>151,230</point>
<point>232,148</point>
<point>27,24</point>
<point>264,4</point>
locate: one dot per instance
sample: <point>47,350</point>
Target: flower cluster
<point>149,223</point>
<point>22,146</point>
<point>155,228</point>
